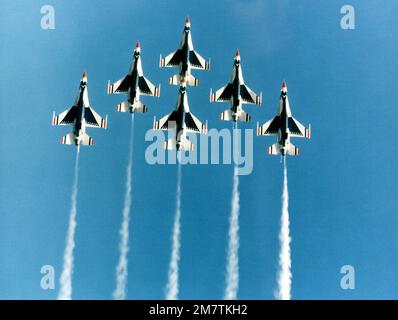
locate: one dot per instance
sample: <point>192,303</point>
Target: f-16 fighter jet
<point>80,116</point>
<point>186,58</point>
<point>135,85</point>
<point>237,93</point>
<point>182,121</point>
<point>285,127</point>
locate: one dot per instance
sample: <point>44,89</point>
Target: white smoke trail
<point>285,274</point>
<point>65,291</point>
<point>172,287</point>
<point>122,266</point>
<point>232,277</point>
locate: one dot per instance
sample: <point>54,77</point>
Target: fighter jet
<point>185,58</point>
<point>182,121</point>
<point>135,85</point>
<point>285,127</point>
<point>237,93</point>
<point>80,116</point>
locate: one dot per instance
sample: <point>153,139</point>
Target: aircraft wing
<point>197,61</point>
<point>222,94</point>
<point>147,87</point>
<point>120,86</point>
<point>193,124</point>
<point>172,60</point>
<point>270,128</point>
<point>65,118</point>
<point>249,96</point>
<point>93,119</point>
<point>167,122</point>
<point>297,129</point>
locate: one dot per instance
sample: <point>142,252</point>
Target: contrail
<point>232,276</point>
<point>172,282</point>
<point>65,291</point>
<point>121,268</point>
<point>285,274</point>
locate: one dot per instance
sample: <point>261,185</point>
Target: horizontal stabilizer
<point>68,139</point>
<point>86,140</point>
<point>292,150</point>
<point>229,115</point>
<point>274,149</point>
<point>175,80</point>
<point>170,144</point>
<point>125,106</point>
<point>226,115</point>
<point>192,81</point>
<point>244,117</point>
<point>186,145</point>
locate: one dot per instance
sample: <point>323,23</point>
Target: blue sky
<point>343,203</point>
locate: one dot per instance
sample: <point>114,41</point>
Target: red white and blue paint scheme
<point>186,59</point>
<point>237,93</point>
<point>285,126</point>
<point>80,116</point>
<point>135,85</point>
<point>182,121</point>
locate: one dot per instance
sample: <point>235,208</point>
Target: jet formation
<point>81,115</point>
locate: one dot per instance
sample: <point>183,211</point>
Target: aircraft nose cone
<point>284,86</point>
<point>137,48</point>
